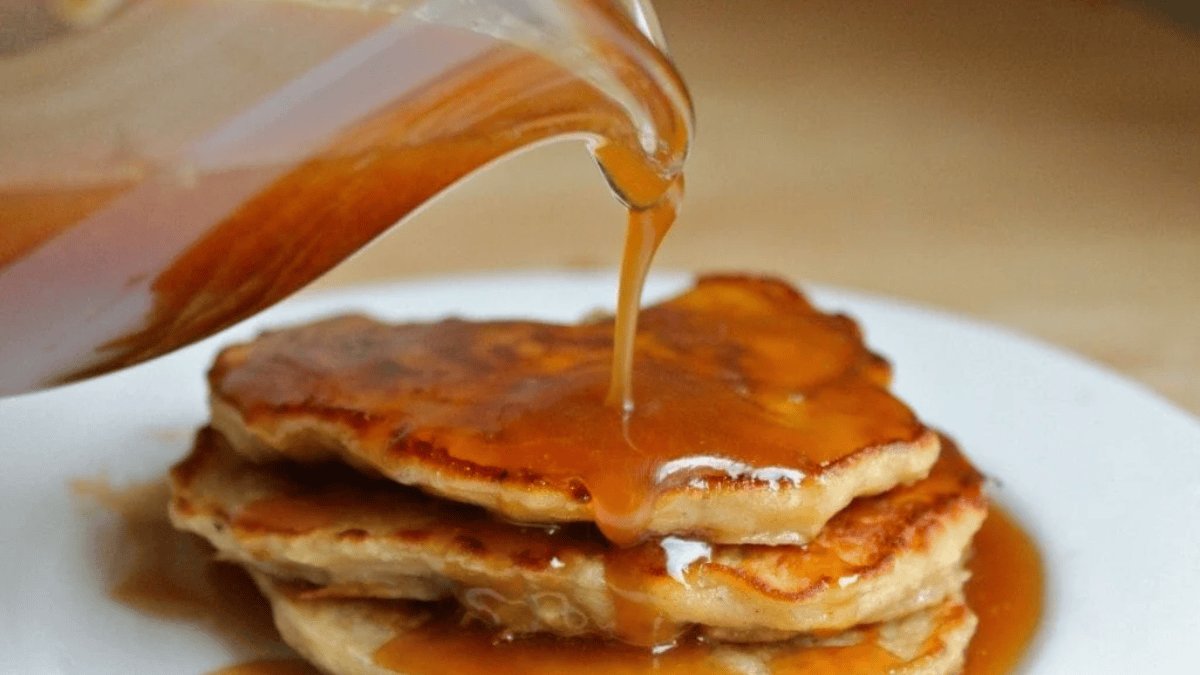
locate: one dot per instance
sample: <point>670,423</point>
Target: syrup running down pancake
<point>757,417</point>
<point>347,535</point>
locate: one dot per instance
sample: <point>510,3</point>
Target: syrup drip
<point>647,227</point>
<point>636,621</point>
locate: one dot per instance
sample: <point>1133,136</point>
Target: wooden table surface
<point>1033,163</point>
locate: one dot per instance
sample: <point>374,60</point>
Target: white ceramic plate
<point>1105,474</point>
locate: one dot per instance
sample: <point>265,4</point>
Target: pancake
<point>344,535</point>
<point>758,417</point>
<point>381,637</point>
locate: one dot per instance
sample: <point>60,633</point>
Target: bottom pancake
<point>386,637</point>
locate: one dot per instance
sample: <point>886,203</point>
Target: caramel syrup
<point>635,620</point>
<point>1007,592</point>
<point>270,667</point>
<point>148,565</point>
<point>647,228</point>
<point>103,282</point>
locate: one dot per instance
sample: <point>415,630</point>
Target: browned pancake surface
<point>756,416</point>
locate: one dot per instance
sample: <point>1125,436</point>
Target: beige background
<point>1035,163</point>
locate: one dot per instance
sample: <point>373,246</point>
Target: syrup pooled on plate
<point>292,666</point>
<point>148,565</point>
<point>1007,592</point>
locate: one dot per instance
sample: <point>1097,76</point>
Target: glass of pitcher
<point>169,167</point>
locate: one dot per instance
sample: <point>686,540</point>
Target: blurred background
<point>1035,163</point>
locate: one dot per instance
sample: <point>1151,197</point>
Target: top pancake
<point>756,416</point>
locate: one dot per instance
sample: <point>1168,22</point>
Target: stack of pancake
<point>457,497</point>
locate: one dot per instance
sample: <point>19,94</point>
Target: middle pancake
<point>349,535</point>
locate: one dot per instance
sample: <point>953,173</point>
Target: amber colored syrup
<point>42,215</point>
<point>329,207</point>
<point>635,620</point>
<point>270,667</point>
<point>310,215</point>
<point>1006,591</point>
<point>148,565</point>
<point>646,230</point>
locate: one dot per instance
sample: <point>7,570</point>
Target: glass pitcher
<point>169,167</point>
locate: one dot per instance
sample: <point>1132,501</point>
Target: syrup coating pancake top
<point>739,384</point>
